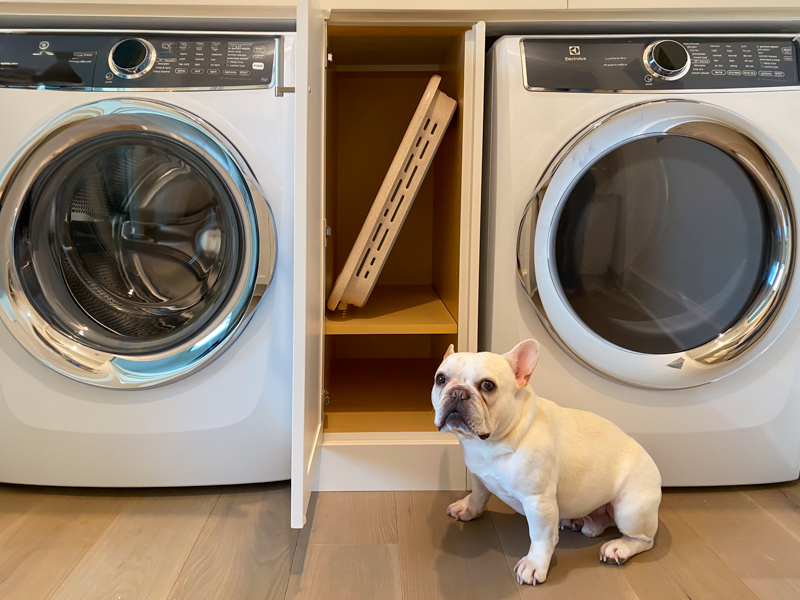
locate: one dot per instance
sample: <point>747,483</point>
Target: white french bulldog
<point>560,467</point>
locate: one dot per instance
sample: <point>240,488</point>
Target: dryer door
<point>135,242</point>
<point>659,246</point>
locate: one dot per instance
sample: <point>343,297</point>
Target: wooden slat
<point>141,553</point>
<point>440,558</point>
<point>353,518</point>
<point>41,547</point>
<point>775,589</point>
<point>575,570</point>
<point>245,549</point>
<point>347,572</point>
<point>394,309</point>
<point>681,565</point>
<point>740,532</point>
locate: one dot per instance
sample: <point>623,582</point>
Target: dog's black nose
<point>484,436</point>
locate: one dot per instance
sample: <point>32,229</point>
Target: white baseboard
<point>390,462</point>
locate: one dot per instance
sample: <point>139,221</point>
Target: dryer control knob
<point>132,58</point>
<point>667,59</point>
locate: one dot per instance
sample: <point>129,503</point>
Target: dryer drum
<point>140,244</point>
<point>659,246</point>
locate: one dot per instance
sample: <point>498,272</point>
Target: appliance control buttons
<point>718,72</point>
<point>213,71</point>
<point>197,71</point>
<point>132,58</point>
<point>667,59</point>
<point>181,71</point>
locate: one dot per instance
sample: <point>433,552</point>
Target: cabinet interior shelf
<point>380,394</point>
<point>394,309</point>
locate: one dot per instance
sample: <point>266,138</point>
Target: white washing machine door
<point>660,244</point>
<point>135,244</point>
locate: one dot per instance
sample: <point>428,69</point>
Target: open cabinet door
<point>471,181</point>
<point>309,259</point>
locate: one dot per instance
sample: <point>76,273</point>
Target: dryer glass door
<point>136,244</point>
<point>659,245</point>
<point>662,244</point>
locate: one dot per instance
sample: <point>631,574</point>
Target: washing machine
<point>640,221</point>
<point>146,207</point>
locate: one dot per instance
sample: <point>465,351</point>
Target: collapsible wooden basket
<point>395,197</point>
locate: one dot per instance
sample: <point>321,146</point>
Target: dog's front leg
<point>542,513</point>
<point>471,507</point>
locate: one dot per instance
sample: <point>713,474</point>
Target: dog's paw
<point>528,572</point>
<point>461,511</point>
<point>570,524</point>
<point>616,551</point>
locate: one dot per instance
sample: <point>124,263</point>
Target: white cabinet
<point>358,86</point>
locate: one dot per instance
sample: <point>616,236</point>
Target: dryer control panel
<point>652,63</point>
<point>143,61</point>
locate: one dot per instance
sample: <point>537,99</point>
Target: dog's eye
<point>440,379</point>
<point>487,385</point>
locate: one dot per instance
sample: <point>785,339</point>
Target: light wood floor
<point>235,544</point>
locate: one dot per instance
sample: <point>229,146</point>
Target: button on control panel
<point>214,62</point>
<point>652,63</point>
<point>137,61</point>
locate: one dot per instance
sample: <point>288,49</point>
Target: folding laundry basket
<point>395,197</point>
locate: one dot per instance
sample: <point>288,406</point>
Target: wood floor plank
<point>141,553</point>
<point>791,490</point>
<point>681,566</point>
<point>354,518</point>
<point>440,558</point>
<point>245,549</point>
<point>775,589</point>
<point>575,570</point>
<point>15,501</point>
<point>785,511</point>
<point>346,572</point>
<point>40,548</point>
<point>740,532</point>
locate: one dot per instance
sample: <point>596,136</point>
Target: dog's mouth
<point>456,422</point>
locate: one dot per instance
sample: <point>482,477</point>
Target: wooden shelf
<point>371,422</point>
<point>380,394</point>
<point>394,309</point>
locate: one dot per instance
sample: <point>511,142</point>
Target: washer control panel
<point>150,61</point>
<point>659,63</point>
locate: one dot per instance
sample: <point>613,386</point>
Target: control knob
<point>667,59</point>
<point>132,58</point>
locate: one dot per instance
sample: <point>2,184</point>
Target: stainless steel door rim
<point>734,347</point>
<point>48,318</point>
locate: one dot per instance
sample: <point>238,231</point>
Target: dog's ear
<point>523,359</point>
<point>450,351</point>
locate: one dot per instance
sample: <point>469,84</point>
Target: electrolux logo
<point>574,54</point>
